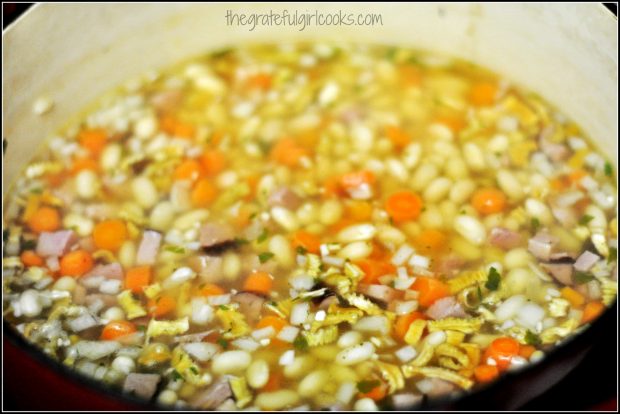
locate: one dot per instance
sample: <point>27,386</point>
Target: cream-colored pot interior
<point>75,52</point>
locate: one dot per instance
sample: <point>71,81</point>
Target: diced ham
<point>380,293</point>
<point>446,307</point>
<point>209,268</point>
<point>149,247</point>
<point>285,197</point>
<point>450,265</point>
<point>586,261</point>
<point>166,100</point>
<point>541,245</point>
<point>555,152</point>
<point>212,234</point>
<point>108,271</point>
<point>504,238</point>
<point>250,305</point>
<point>56,243</point>
<point>79,295</point>
<point>141,385</point>
<point>562,272</point>
<point>213,396</point>
<point>328,301</point>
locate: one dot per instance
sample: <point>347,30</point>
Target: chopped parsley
<point>194,370</point>
<point>535,224</point>
<point>29,244</point>
<point>264,256</point>
<point>479,293</point>
<point>300,343</point>
<point>36,190</point>
<point>583,277</point>
<point>176,376</point>
<point>174,249</point>
<point>301,250</point>
<point>585,219</point>
<point>263,236</point>
<point>223,343</point>
<point>391,53</point>
<point>608,169</point>
<point>367,386</point>
<point>493,279</point>
<point>224,307</point>
<point>253,215</point>
<point>613,255</point>
<point>239,240</point>
<point>531,338</point>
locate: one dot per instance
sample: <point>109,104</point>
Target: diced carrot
<point>575,298</point>
<point>203,193</point>
<point>355,179</point>
<point>403,321</point>
<point>502,350</point>
<point>377,393</point>
<point>175,127</point>
<point>591,311</point>
<point>374,269</point>
<point>189,169</point>
<point>331,187</point>
<point>526,351</point>
<point>242,218</point>
<point>483,94</point>
<point>44,219</point>
<point>486,373</point>
<point>214,162</point>
<point>429,290</point>
<point>110,234</point>
<point>403,206</point>
<point>307,240</point>
<point>161,306</point>
<point>259,81</point>
<point>455,122</point>
<point>85,163</point>
<point>410,75</point>
<point>211,289</point>
<point>488,201</point>
<point>576,176</point>
<point>94,140</point>
<point>252,181</point>
<point>379,252</point>
<point>287,152</point>
<point>30,258</point>
<point>260,282</point>
<point>275,322</point>
<point>341,224</point>
<point>398,136</point>
<point>76,263</point>
<point>358,210</point>
<point>137,278</point>
<point>56,179</point>
<point>431,240</point>
<point>117,329</point>
<point>274,383</point>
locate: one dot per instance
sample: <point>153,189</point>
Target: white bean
<point>365,404</point>
<point>258,374</point>
<point>358,232</point>
<point>83,226</point>
<point>111,157</point>
<point>470,228</point>
<point>462,190</point>
<point>124,364</point>
<point>355,354</point>
<point>66,283</point>
<point>113,313</point>
<point>127,254</point>
<point>330,212</point>
<point>516,258</point>
<point>456,168</point>
<point>307,213</point>
<point>190,219</point>
<point>424,175</point>
<point>87,184</point>
<point>300,365</point>
<point>276,400</point>
<point>389,235</point>
<point>144,192</point>
<point>474,156</point>
<point>437,189</point>
<point>167,397</point>
<point>537,209</point>
<point>162,216</point>
<point>284,218</point>
<point>509,184</point>
<point>411,155</point>
<point>30,303</point>
<point>356,250</point>
<point>231,362</point>
<point>431,218</point>
<point>231,266</point>
<point>349,339</point>
<point>312,383</point>
<point>282,250</point>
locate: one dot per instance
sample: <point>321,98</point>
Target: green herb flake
<point>194,370</point>
<point>585,219</point>
<point>613,255</point>
<point>535,224</point>
<point>141,328</point>
<point>239,240</point>
<point>223,307</point>
<point>608,169</point>
<point>479,293</point>
<point>174,249</point>
<point>263,236</point>
<point>583,277</point>
<point>29,244</point>
<point>176,376</point>
<point>367,386</point>
<point>223,343</point>
<point>36,190</point>
<point>493,279</point>
<point>253,215</point>
<point>265,256</point>
<point>300,343</point>
<point>301,250</point>
<point>532,339</point>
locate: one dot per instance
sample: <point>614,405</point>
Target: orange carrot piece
<point>76,263</point>
<point>575,298</point>
<point>430,290</point>
<point>410,75</point>
<point>483,94</point>
<point>94,140</point>
<point>455,122</point>
<point>211,289</point>
<point>86,163</point>
<point>526,351</point>
<point>287,152</point>
<point>260,282</point>
<point>374,269</point>
<point>431,240</point>
<point>306,240</point>
<point>488,201</point>
<point>259,81</point>
<point>331,187</point>
<point>398,136</point>
<point>137,278</point>
<point>403,321</point>
<point>110,234</point>
<point>203,193</point>
<point>502,350</point>
<point>189,169</point>
<point>275,322</point>
<point>175,127</point>
<point>377,393</point>
<point>161,306</point>
<point>403,206</point>
<point>357,178</point>
<point>591,311</point>
<point>44,219</point>
<point>214,162</point>
<point>30,258</point>
<point>117,329</point>
<point>358,210</point>
<point>486,373</point>
<point>274,382</point>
